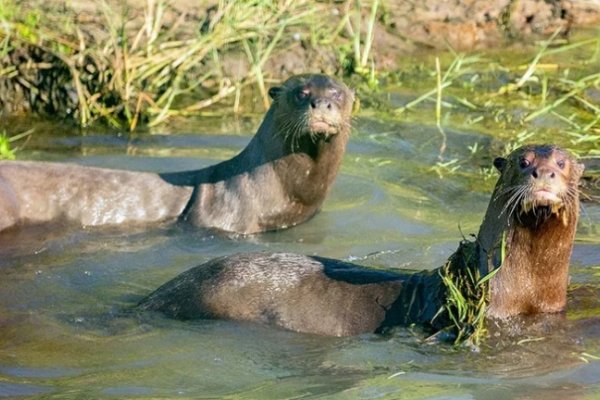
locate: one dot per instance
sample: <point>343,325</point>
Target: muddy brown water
<point>67,330</point>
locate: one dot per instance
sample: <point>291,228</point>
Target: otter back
<point>38,192</point>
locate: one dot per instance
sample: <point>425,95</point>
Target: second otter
<point>279,180</point>
<point>527,233</point>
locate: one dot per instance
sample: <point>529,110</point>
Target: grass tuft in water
<point>552,97</point>
<point>7,144</point>
<point>467,294</point>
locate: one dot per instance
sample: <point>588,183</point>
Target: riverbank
<point>142,62</point>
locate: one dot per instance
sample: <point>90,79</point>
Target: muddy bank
<point>145,60</point>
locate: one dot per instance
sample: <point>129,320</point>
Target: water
<point>67,329</point>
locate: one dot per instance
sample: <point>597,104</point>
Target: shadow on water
<point>67,329</point>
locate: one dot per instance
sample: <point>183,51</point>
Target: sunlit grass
<point>160,68</point>
<point>546,99</point>
<point>8,143</point>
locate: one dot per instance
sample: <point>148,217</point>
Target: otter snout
<point>320,103</point>
<point>322,128</point>
<point>543,174</point>
<point>323,116</point>
<point>324,109</point>
<point>545,186</point>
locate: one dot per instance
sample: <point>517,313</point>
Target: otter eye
<point>524,163</point>
<point>336,94</point>
<point>302,94</point>
<point>561,164</point>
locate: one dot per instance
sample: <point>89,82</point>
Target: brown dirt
<point>412,25</point>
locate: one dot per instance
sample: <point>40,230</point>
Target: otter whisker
<point>294,130</point>
<point>520,197</point>
<point>513,199</point>
<point>572,193</point>
<point>289,132</point>
<point>506,191</point>
<point>287,128</point>
<point>298,130</point>
<point>519,201</point>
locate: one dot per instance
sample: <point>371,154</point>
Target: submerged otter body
<point>279,180</point>
<point>534,208</point>
<point>300,293</point>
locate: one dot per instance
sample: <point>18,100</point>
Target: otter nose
<point>542,173</point>
<point>319,102</point>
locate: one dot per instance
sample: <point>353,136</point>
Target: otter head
<point>539,181</point>
<point>311,106</point>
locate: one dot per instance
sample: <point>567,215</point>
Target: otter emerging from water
<point>279,180</point>
<point>527,233</point>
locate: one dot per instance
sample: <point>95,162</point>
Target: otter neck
<point>489,238</point>
<point>422,296</point>
<point>309,166</point>
<point>534,275</point>
<point>261,150</point>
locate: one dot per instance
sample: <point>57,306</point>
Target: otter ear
<point>500,163</point>
<point>274,92</point>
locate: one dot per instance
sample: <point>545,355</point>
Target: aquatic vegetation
<point>467,294</point>
<point>7,147</point>
<point>360,62</point>
<point>552,97</point>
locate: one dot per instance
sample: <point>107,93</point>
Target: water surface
<point>67,330</point>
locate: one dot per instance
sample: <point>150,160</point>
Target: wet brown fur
<point>534,276</point>
<point>331,297</point>
<point>279,180</point>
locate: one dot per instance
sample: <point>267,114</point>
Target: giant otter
<point>279,180</point>
<point>526,237</point>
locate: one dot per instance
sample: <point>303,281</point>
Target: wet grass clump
<point>467,295</point>
<point>114,66</point>
<point>553,97</point>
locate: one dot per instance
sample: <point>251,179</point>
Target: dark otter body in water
<point>300,293</point>
<point>531,219</point>
<point>279,180</point>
